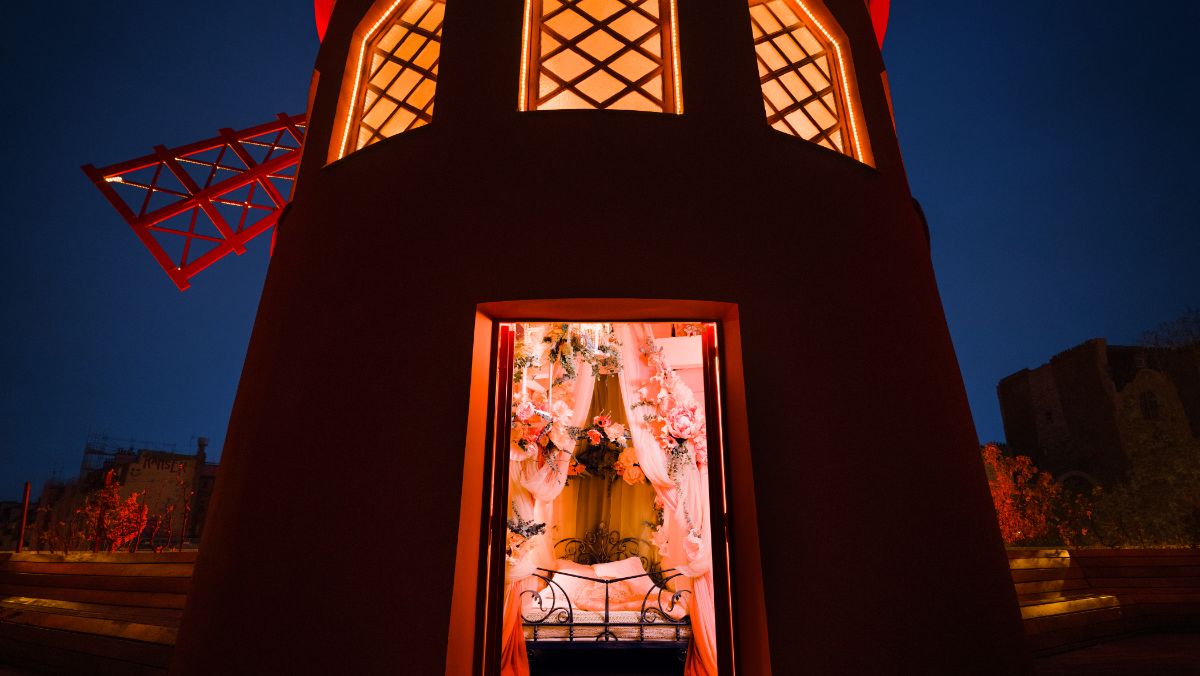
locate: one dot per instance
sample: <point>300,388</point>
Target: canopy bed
<point>605,429</point>
<point>606,589</point>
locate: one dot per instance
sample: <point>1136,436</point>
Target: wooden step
<point>142,583</point>
<point>60,619</point>
<point>164,617</point>
<point>67,652</point>
<point>152,558</point>
<point>1066,605</point>
<point>103,596</point>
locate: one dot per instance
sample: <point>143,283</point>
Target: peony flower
<point>594,437</point>
<point>684,421</point>
<point>602,421</point>
<point>633,475</point>
<point>526,411</point>
<point>615,431</point>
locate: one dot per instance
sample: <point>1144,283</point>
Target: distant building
<point>1092,407</point>
<point>173,486</point>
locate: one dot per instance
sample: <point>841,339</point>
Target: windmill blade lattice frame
<point>195,204</point>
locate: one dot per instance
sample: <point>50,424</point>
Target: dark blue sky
<point>1052,150</point>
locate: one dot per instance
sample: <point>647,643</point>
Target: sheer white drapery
<point>534,485</point>
<point>685,539</point>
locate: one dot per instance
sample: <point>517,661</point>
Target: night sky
<point>1052,151</point>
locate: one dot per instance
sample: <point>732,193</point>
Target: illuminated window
<point>401,77</point>
<point>600,54</point>
<point>802,74</point>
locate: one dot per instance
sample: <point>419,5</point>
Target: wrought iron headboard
<point>601,545</point>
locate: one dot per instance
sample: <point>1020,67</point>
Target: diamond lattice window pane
<point>800,95</point>
<point>600,54</point>
<point>402,79</point>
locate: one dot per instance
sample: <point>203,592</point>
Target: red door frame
<point>472,648</point>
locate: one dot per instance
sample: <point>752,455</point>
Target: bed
<point>605,593</point>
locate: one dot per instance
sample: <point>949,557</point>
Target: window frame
<point>531,61</point>
<point>821,22</point>
<point>356,79</point>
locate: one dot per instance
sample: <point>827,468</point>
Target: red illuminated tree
<point>1030,506</point>
<point>124,524</point>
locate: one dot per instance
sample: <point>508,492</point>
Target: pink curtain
<point>685,540</point>
<point>533,489</point>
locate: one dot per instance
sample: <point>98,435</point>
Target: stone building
<point>168,481</point>
<point>1094,406</point>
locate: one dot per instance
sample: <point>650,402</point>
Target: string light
<point>522,104</point>
<point>362,53</point>
<point>837,48</point>
<point>675,61</point>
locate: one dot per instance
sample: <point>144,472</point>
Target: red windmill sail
<point>195,204</point>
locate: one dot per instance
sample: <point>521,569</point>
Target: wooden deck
<point>92,613</point>
<point>120,613</point>
<point>1073,598</point>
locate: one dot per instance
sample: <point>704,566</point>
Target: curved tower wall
<point>331,543</point>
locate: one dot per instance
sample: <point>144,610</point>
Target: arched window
<point>803,73</point>
<point>396,74</point>
<point>600,54</point>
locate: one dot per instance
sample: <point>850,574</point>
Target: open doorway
<point>606,441</point>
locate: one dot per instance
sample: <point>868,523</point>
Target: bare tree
<point>1183,331</point>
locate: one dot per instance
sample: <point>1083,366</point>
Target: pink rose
<point>526,411</point>
<point>685,421</point>
<point>633,475</point>
<point>628,458</point>
<point>594,437</point>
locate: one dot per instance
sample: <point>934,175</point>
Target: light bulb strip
<point>675,60</point>
<point>526,27</point>
<point>837,48</point>
<point>362,53</point>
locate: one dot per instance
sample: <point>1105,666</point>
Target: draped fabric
<point>534,487</point>
<point>685,539</point>
<point>588,501</point>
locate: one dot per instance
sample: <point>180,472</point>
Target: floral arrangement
<point>566,341</point>
<point>539,433</point>
<point>524,358</point>
<point>674,415</point>
<point>606,358</point>
<point>520,534</point>
<point>606,452</point>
